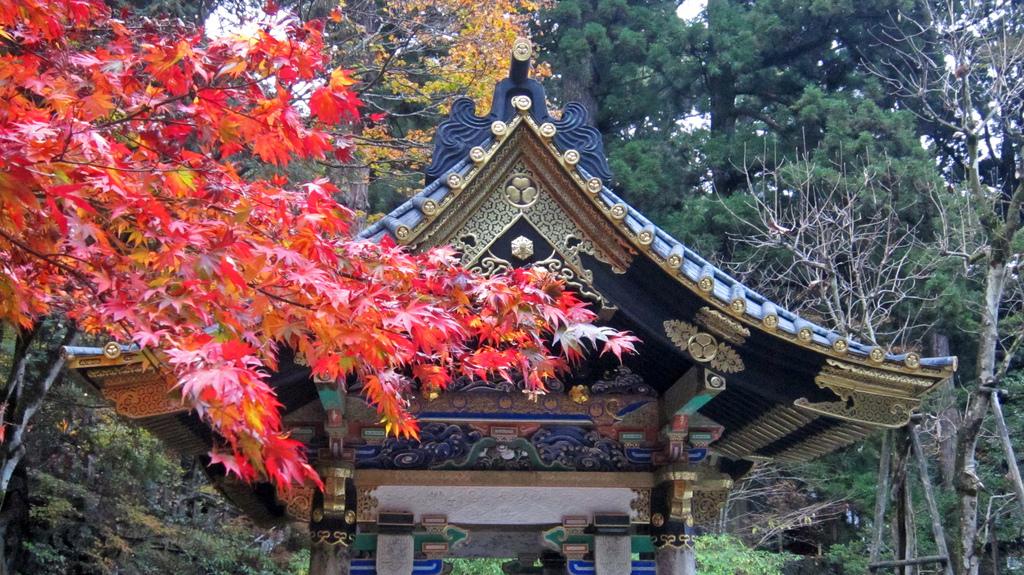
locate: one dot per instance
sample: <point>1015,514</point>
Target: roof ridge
<point>464,136</point>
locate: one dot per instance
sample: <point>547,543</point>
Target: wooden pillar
<point>676,561</point>
<point>394,553</point>
<point>612,554</point>
<point>332,526</point>
<point>329,559</point>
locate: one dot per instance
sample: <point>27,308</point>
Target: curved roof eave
<point>694,272</point>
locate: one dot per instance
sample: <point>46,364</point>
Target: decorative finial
<point>519,70</point>
<point>522,49</point>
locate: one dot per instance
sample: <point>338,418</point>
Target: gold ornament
<point>579,394</point>
<point>522,247</point>
<point>522,103</point>
<point>522,49</point>
<point>520,191</point>
<point>112,350</point>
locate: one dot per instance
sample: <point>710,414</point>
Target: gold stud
<point>805,335</point>
<point>547,129</point>
<point>499,128</point>
<point>522,103</point>
<point>706,283</point>
<point>657,520</point>
<point>913,360</point>
<point>877,354</point>
<point>594,185</point>
<point>571,157</point>
<point>402,233</point>
<point>645,238</point>
<point>112,350</point>
<point>738,305</point>
<point>619,211</point>
<point>771,321</point>
<point>477,154</point>
<point>454,181</point>
<point>840,346</point>
<point>429,207</point>
<point>675,260</point>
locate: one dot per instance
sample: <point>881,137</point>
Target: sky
<point>690,9</point>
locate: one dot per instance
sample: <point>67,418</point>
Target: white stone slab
<point>503,505</point>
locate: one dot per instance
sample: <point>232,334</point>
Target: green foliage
<point>108,498</point>
<point>728,555</point>
<point>477,566</point>
<point>850,558</point>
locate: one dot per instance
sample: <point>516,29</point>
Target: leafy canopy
<point>120,205</point>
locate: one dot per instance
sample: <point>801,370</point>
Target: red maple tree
<point>122,204</point>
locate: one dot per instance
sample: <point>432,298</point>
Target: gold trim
<point>703,347</point>
<point>704,287</point>
<point>862,407</point>
<point>778,422</point>
<point>722,325</point>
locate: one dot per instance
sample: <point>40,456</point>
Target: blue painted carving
<point>438,443</point>
<point>579,567</point>
<point>580,449</point>
<point>622,381</point>
<point>556,447</point>
<point>464,129</point>
<point>419,567</point>
<point>464,383</point>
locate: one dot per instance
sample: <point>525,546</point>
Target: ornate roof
<point>723,374</point>
<point>465,141</point>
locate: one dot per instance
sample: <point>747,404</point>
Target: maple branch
<point>39,255</point>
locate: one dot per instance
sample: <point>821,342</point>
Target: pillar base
<point>676,561</point>
<point>328,559</point>
<point>394,553</point>
<point>612,554</point>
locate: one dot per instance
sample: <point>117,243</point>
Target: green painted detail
<point>700,436</point>
<point>330,398</point>
<point>374,433</point>
<point>556,536</point>
<point>631,436</point>
<point>642,544</point>
<point>451,535</point>
<point>480,447</point>
<point>365,542</point>
<point>455,535</point>
<point>695,403</point>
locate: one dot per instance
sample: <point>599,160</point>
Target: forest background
<point>860,161</point>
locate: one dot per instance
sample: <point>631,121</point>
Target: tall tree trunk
<point>967,483</point>
<point>14,522</point>
<point>903,531</point>
<point>23,396</point>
